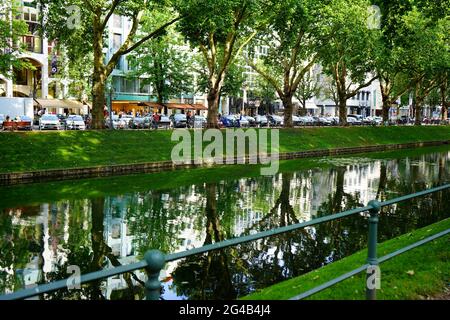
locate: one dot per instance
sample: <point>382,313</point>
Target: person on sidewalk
<point>156,119</point>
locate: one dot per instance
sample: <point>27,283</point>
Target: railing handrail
<point>106,273</point>
<point>364,267</point>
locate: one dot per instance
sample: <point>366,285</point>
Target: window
<point>119,64</point>
<point>116,81</point>
<point>117,21</point>
<point>115,231</point>
<point>21,77</point>
<point>117,40</point>
<point>127,85</point>
<point>131,62</point>
<point>145,89</point>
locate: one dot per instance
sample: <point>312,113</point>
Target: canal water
<point>92,224</point>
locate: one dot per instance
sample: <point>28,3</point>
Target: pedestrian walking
<point>156,119</point>
<point>188,118</point>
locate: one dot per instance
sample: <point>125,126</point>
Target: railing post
<point>155,262</point>
<point>372,259</point>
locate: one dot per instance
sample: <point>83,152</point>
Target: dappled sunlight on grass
<point>70,149</point>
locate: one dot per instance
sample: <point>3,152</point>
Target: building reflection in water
<point>41,241</point>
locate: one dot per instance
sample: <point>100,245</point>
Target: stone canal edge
<point>12,178</point>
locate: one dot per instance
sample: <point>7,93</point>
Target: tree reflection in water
<point>42,241</point>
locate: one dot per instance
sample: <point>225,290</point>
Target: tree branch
<point>354,92</point>
<point>110,13</point>
<point>154,34</point>
<point>303,72</point>
<point>266,76</point>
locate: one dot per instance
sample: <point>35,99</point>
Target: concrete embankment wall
<point>104,171</point>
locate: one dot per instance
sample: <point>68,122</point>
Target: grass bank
<point>417,274</point>
<point>20,152</point>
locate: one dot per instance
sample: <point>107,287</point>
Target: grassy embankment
<point>418,274</point>
<point>21,152</point>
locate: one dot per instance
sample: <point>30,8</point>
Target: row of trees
<point>408,51</point>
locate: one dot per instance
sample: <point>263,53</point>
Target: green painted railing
<point>154,260</point>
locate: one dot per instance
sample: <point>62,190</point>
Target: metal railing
<point>154,260</point>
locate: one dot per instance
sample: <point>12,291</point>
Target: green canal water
<point>106,222</point>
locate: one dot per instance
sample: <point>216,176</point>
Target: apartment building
<point>30,83</point>
<point>39,87</point>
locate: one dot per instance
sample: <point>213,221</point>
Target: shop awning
<point>179,106</point>
<point>58,103</point>
<point>151,104</point>
<point>199,106</point>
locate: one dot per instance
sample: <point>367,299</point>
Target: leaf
<point>410,272</point>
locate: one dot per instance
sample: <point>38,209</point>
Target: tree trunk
<point>99,79</point>
<point>418,111</point>
<point>213,108</point>
<point>288,111</point>
<point>99,101</point>
<point>98,243</point>
<point>444,102</point>
<point>386,107</point>
<point>303,110</point>
<point>385,88</point>
<point>343,112</point>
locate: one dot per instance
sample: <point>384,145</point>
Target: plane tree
<point>349,55</point>
<point>292,36</point>
<point>219,30</point>
<point>82,25</point>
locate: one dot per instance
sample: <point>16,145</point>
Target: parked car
<point>228,121</point>
<point>24,123</point>
<point>352,121</point>
<point>116,122</point>
<point>252,121</point>
<point>307,121</point>
<point>49,121</point>
<point>378,121</point>
<point>297,121</point>
<point>358,119</point>
<point>198,122</point>
<point>179,120</point>
<point>334,120</point>
<point>140,123</point>
<point>165,122</point>
<point>241,121</point>
<point>322,121</point>
<point>261,121</point>
<point>74,122</point>
<point>368,121</point>
<point>374,121</point>
<point>276,121</point>
<point>62,120</point>
<point>126,119</point>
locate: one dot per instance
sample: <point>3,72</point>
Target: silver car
<point>74,122</point>
<point>49,122</point>
<point>261,121</point>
